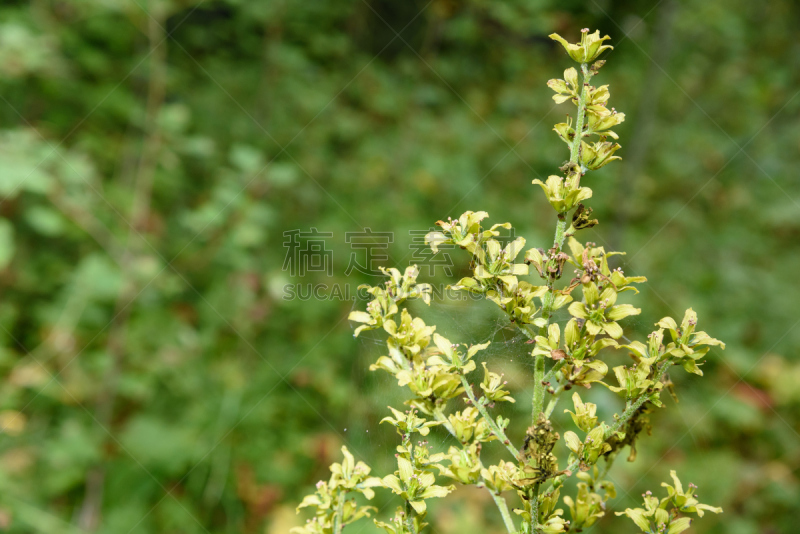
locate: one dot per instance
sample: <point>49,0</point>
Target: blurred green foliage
<point>153,153</point>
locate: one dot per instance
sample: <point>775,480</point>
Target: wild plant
<point>447,389</point>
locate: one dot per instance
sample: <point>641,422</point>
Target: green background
<point>154,152</point>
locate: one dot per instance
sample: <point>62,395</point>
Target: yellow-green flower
<point>562,197</point>
<point>590,47</point>
<point>414,485</point>
<point>599,311</point>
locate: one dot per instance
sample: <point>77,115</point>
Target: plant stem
<point>553,370</point>
<point>524,330</point>
<point>635,405</point>
<point>338,518</point>
<point>496,430</point>
<point>561,225</point>
<point>574,157</point>
<point>551,405</point>
<point>409,519</point>
<point>553,401</point>
<point>538,388</point>
<point>503,507</point>
<point>439,415</point>
<point>575,149</point>
<point>549,299</point>
<point>607,467</point>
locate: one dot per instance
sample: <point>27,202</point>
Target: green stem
<point>496,430</point>
<point>607,467</point>
<point>558,242</point>
<point>553,370</point>
<point>635,405</point>
<point>338,518</point>
<point>538,388</point>
<point>550,296</point>
<point>439,415</point>
<point>503,507</point>
<point>551,405</point>
<point>574,158</point>
<point>409,519</point>
<point>558,238</point>
<point>575,149</point>
<point>524,329</point>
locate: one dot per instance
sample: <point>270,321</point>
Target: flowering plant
<point>438,372</point>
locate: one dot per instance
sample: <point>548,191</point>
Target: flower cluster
<point>589,504</point>
<point>664,515</point>
<point>397,289</point>
<point>413,480</point>
<point>571,348</point>
<point>333,509</point>
<point>589,49</point>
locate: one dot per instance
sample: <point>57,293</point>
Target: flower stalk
<point>502,506</point>
<point>337,519</point>
<point>496,429</point>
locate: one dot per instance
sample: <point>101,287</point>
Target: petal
<point>676,481</point>
<point>591,294</point>
<point>419,506</point>
<point>679,525</point>
<point>436,491</point>
<point>514,248</point>
<point>571,332</point>
<point>638,517</point>
<point>571,77</point>
<point>573,441</point>
<point>609,294</point>
<point>613,329</point>
<point>405,469</point>
<point>443,344</point>
<point>578,309</point>
<point>393,483</point>
<point>518,269</point>
<point>359,317</point>
<point>593,328</point>
<point>475,348</point>
<point>620,311</point>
